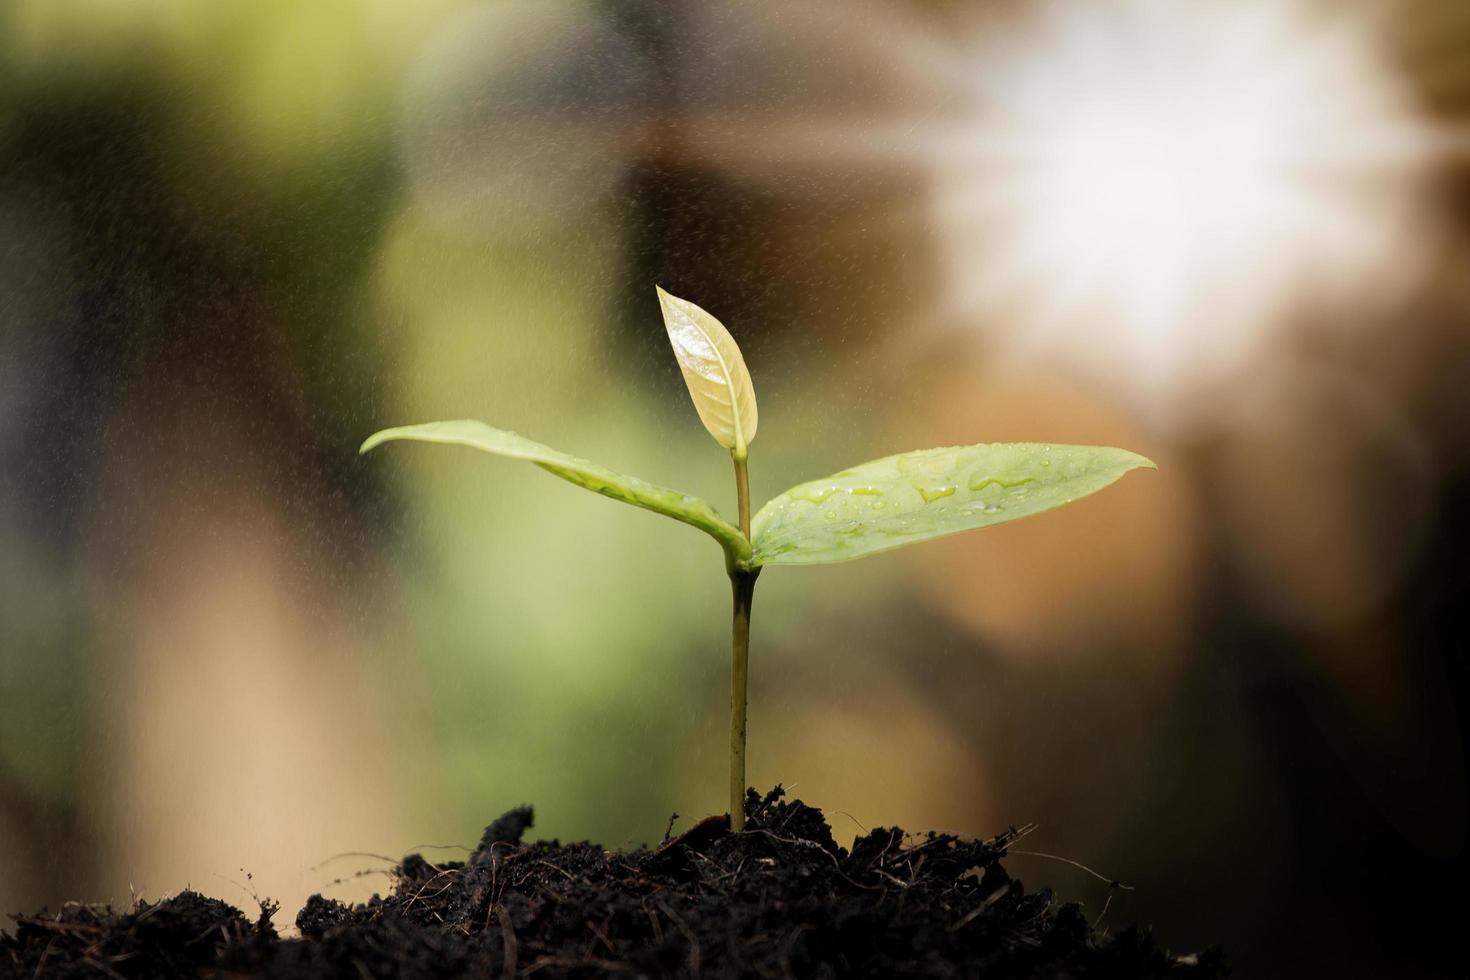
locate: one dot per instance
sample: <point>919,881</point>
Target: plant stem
<point>742,585</point>
<point>742,491</point>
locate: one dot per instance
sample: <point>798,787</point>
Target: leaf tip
<point>378,438</point>
<point>673,308</point>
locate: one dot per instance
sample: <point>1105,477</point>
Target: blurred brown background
<point>237,237</point>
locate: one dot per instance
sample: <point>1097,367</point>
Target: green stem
<point>742,585</point>
<point>742,491</point>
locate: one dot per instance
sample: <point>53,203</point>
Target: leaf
<point>629,489</point>
<point>899,500</point>
<point>714,370</point>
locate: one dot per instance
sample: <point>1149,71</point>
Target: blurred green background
<point>237,237</point>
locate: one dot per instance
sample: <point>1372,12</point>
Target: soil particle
<point>779,900</point>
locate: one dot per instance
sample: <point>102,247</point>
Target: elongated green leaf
<point>714,370</point>
<point>629,489</point>
<point>899,500</point>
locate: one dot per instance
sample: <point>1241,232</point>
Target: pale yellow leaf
<point>714,370</point>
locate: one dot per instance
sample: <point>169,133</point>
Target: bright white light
<point>1147,187</point>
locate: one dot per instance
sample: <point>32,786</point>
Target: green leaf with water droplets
<point>912,497</point>
<point>600,479</point>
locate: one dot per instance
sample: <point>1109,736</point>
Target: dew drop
<point>815,495</point>
<point>931,494</point>
<point>979,482</point>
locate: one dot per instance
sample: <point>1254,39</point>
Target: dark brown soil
<point>778,900</point>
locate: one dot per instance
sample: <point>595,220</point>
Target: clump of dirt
<point>779,899</point>
<point>184,936</point>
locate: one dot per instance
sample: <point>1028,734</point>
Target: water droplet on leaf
<point>813,494</point>
<point>931,494</point>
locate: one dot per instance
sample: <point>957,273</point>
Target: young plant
<point>878,506</point>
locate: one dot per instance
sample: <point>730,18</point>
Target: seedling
<point>878,506</point>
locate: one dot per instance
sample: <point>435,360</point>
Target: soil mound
<point>778,900</point>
